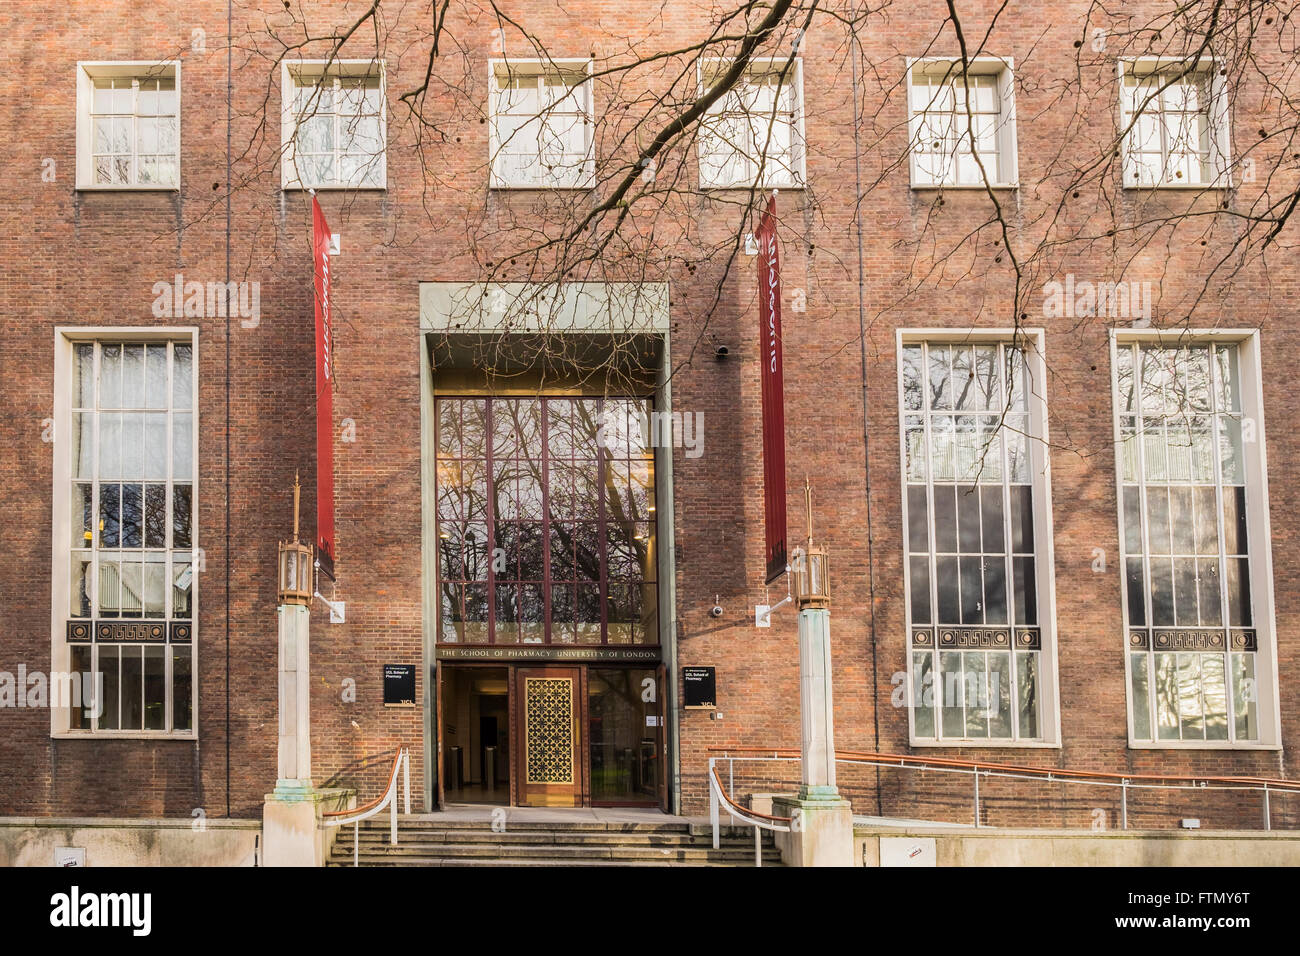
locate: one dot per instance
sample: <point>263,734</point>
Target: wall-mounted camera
<point>716,610</point>
<point>721,353</point>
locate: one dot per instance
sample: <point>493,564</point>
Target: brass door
<point>550,745</point>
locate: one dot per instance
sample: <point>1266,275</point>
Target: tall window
<point>546,521</point>
<point>1176,126</point>
<point>130,617</point>
<point>960,122</point>
<point>753,135</point>
<point>335,127</point>
<point>542,131</point>
<point>128,126</point>
<point>1192,640</point>
<point>972,543</point>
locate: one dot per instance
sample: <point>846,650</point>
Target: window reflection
<point>545,512</point>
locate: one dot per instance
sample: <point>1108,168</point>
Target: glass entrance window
<point>623,735</point>
<point>546,521</point>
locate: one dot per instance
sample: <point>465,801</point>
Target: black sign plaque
<point>399,684</point>
<point>701,684</point>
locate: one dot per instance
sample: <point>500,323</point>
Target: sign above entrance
<point>518,652</point>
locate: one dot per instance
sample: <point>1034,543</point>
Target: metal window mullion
<point>602,458</point>
<point>544,456</point>
<point>931,536</point>
<point>1009,548</point>
<point>94,517</point>
<point>1148,606</point>
<point>490,514</point>
<point>1221,556</point>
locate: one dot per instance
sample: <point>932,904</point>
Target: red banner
<point>773,381</point>
<point>320,249</point>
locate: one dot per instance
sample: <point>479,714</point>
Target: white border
<point>289,182</point>
<point>1044,545</point>
<point>89,70</point>
<point>1008,141</point>
<point>1258,530</point>
<point>800,143</point>
<point>540,67</point>
<point>1220,121</point>
<point>61,525</point>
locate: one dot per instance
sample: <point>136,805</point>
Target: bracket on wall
<point>338,609</point>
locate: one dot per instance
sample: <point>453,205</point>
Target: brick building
<point>1061,523</point>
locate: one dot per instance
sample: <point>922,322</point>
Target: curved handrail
<point>745,813</point>
<point>1046,773</point>
<point>375,805</point>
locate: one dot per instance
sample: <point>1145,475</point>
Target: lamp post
<point>823,828</point>
<point>291,813</point>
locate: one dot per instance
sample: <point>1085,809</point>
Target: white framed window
<point>1175,122</point>
<point>125,543</point>
<point>977,519</point>
<point>334,125</point>
<point>129,125</point>
<point>960,121</point>
<point>1200,659</point>
<point>753,135</point>
<point>541,126</point>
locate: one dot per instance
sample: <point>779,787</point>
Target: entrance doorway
<point>551,735</point>
<point>476,735</point>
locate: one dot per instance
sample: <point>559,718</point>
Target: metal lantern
<point>295,563</point>
<point>810,567</point>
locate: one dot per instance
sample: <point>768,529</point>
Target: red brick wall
<point>73,258</point>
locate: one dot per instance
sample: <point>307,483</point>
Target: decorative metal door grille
<point>548,729</point>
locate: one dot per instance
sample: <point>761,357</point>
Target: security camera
<point>721,353</point>
<point>716,610</point>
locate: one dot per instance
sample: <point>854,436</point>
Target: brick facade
<point>87,258</point>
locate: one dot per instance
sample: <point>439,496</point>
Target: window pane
<point>1140,696</point>
<point>999,694</point>
<point>1244,695</point>
<point>972,591</point>
<point>1214,692</point>
<point>919,568</point>
<point>992,519</point>
<point>182,687</point>
<point>1135,592</point>
<point>951,683</point>
<point>1022,519</point>
<point>110,679</point>
<point>132,688</point>
<point>918,532</point>
<point>1026,591</point>
<point>182,376</point>
<point>155,687</point>
<point>947,584</point>
<point>968,519</point>
<point>1027,693</point>
<point>995,589</point>
<point>945,518</point>
<point>923,693</point>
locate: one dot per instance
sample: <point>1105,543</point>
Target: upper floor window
<point>335,131</point>
<point>1175,124</point>
<point>130,550</point>
<point>978,533</point>
<point>753,134</point>
<point>1196,591</point>
<point>960,122</point>
<point>128,125</point>
<point>541,125</point>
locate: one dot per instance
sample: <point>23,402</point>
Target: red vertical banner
<point>320,253</point>
<point>773,382</point>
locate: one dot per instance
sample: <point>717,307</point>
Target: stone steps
<point>425,842</point>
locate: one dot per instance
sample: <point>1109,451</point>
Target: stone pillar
<point>291,814</point>
<point>822,827</point>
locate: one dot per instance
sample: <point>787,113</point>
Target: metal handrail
<point>759,821</point>
<point>354,816</point>
<point>977,769</point>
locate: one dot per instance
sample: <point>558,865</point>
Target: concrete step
<point>376,837</point>
<point>455,862</point>
<point>550,850</point>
